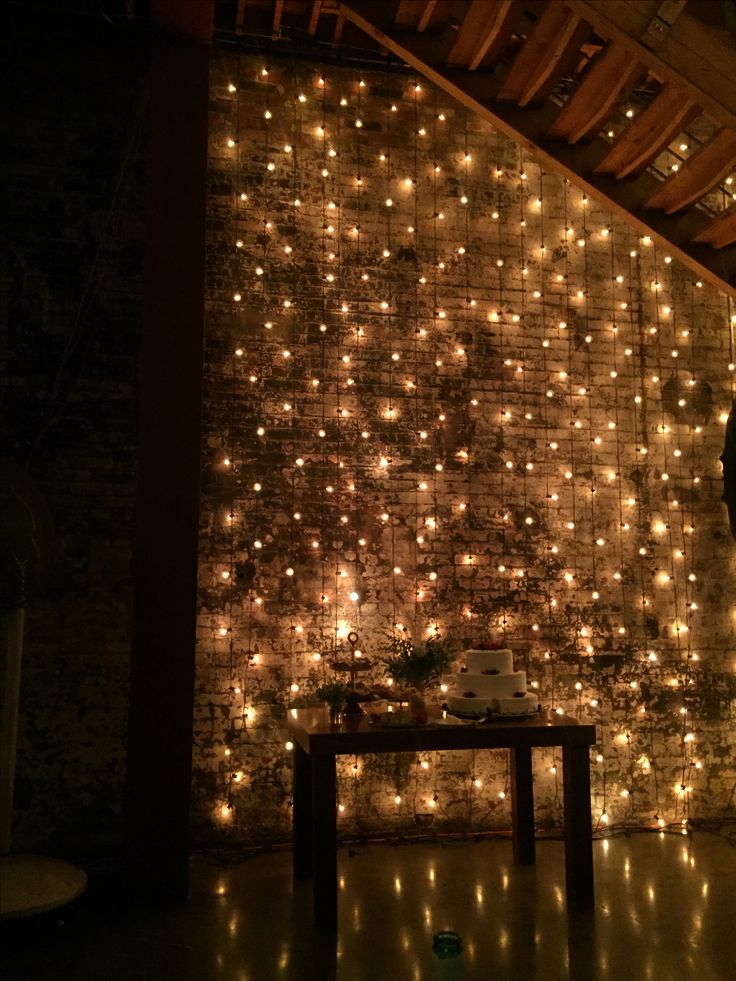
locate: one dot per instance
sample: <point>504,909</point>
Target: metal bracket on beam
<point>661,24</point>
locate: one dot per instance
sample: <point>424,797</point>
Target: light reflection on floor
<point>665,910</point>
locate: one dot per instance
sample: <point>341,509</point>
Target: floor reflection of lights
<point>665,910</point>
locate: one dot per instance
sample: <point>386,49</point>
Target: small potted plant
<point>335,694</point>
<point>417,667</point>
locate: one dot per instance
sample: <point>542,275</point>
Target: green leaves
<point>332,692</point>
<point>417,666</point>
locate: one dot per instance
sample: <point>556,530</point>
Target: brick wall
<point>70,291</point>
<point>442,381</point>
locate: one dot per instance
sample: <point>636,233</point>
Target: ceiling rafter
<point>497,30</point>
<point>696,59</point>
<point>553,75</point>
<point>278,11</point>
<point>314,17</point>
<point>649,133</point>
<point>709,164</point>
<point>632,200</point>
<point>721,231</point>
<point>426,18</point>
<point>610,77</point>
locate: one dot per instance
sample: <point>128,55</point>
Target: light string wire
<point>360,366</point>
<point>255,443</point>
<point>689,728</point>
<point>688,530</point>
<point>622,524</point>
<point>434,517</point>
<point>392,449</point>
<point>506,461</point>
<point>549,564</point>
<point>596,540</point>
<point>293,525</point>
<point>683,663</point>
<point>593,439</point>
<point>327,645</point>
<point>528,455</point>
<point>637,353</point>
<point>418,591</point>
<point>340,309</point>
<point>433,521</point>
<point>636,304</point>
<point>467,346</point>
<point>573,524</point>
<point>573,578</point>
<point>227,575</point>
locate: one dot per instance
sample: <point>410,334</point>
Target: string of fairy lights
<point>453,404</point>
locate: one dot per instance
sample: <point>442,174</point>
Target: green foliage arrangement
<point>333,692</point>
<point>417,666</point>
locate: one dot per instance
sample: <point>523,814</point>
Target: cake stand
<point>357,692</point>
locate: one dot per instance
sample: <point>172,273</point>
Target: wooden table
<point>316,745</point>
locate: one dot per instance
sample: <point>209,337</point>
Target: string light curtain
<point>449,393</point>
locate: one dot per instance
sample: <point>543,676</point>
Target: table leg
<point>303,824</point>
<point>522,805</point>
<point>578,832</point>
<point>325,841</point>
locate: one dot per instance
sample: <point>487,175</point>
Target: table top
<point>310,728</point>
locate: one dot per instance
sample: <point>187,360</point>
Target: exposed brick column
<point>165,557</point>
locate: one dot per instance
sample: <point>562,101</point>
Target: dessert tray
<point>463,717</point>
<point>403,719</point>
<point>395,720</point>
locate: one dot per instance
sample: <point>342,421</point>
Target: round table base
<point>30,884</point>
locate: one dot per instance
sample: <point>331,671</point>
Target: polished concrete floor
<point>665,910</point>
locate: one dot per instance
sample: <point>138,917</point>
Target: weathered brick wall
<point>441,381</point>
<point>71,261</point>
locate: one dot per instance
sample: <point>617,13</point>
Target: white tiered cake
<point>488,683</point>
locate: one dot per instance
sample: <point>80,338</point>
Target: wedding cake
<point>487,683</point>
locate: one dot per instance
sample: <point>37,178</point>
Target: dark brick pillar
<point>165,558</point>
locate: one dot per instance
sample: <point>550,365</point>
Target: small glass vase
<point>418,708</point>
<point>335,713</point>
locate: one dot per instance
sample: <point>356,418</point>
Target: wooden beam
<point>339,25</point>
<point>408,13</point>
<point>721,231</point>
<point>553,35</point>
<point>610,77</point>
<point>693,55</point>
<point>709,164</point>
<point>278,10</point>
<point>314,17</point>
<point>660,25</point>
<point>240,16</point>
<point>529,127</point>
<point>426,17</point>
<point>649,133</point>
<point>480,28</point>
<point>563,57</point>
<point>496,35</point>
